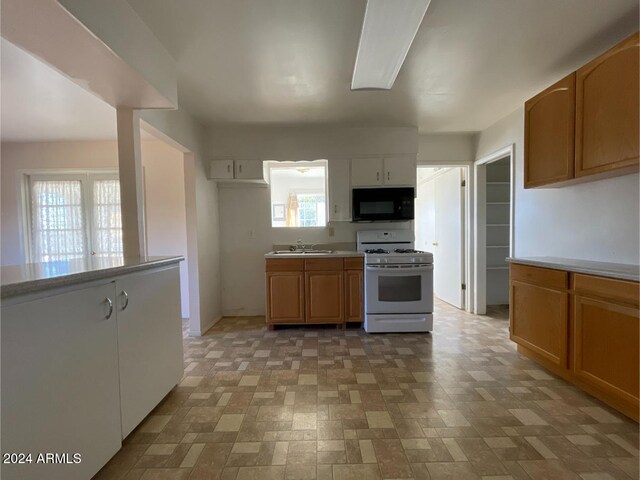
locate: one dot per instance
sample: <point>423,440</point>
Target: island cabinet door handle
<point>388,176</point>
<point>125,299</point>
<point>110,303</point>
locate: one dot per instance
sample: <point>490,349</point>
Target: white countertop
<point>621,271</point>
<point>35,277</point>
<point>334,253</point>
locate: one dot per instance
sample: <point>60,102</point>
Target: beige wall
<point>165,212</point>
<point>594,220</point>
<point>442,149</point>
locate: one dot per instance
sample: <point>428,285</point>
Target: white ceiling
<point>41,104</point>
<point>291,61</point>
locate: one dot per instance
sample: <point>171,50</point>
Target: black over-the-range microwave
<point>382,204</point>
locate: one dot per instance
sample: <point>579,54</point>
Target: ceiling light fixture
<point>388,30</point>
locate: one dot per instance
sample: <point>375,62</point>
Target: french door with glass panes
<point>73,215</point>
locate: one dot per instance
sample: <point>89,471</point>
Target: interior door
<point>448,248</point>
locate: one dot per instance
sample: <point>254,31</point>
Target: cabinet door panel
<point>149,340</point>
<point>221,169</point>
<point>549,133</point>
<point>539,318</point>
<point>400,171</point>
<point>605,341</point>
<point>366,172</point>
<point>339,192</point>
<point>607,110</point>
<point>249,170</point>
<point>325,297</point>
<point>60,383</point>
<point>354,295</point>
<point>285,297</point>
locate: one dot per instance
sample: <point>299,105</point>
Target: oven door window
<point>400,288</point>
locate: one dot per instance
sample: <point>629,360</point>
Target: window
<point>298,193</point>
<point>73,215</point>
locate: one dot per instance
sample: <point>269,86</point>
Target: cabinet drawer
<point>608,288</point>
<point>321,264</point>
<point>354,263</point>
<point>284,264</point>
<point>544,277</point>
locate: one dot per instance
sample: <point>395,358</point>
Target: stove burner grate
<point>376,250</point>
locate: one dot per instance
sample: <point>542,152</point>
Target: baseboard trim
<point>198,332</point>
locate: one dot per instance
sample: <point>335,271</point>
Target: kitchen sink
<point>305,252</point>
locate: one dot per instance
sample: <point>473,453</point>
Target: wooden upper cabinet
<point>549,132</point>
<point>607,111</point>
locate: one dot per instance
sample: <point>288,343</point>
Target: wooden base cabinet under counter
<point>539,309</point>
<point>354,289</point>
<point>604,325</point>
<point>285,290</point>
<point>314,290</point>
<point>584,328</point>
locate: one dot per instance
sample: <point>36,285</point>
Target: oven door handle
<point>396,268</point>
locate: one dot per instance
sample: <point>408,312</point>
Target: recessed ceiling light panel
<point>388,30</point>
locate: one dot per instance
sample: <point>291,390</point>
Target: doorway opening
<point>441,228</point>
<point>493,229</point>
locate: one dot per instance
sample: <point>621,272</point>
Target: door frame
<point>467,250</point>
<point>480,221</point>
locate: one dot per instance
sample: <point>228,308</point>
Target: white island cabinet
<point>149,341</point>
<point>60,388</point>
<point>84,362</point>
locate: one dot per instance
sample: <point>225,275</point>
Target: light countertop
<point>334,253</point>
<point>36,277</point>
<point>621,271</point>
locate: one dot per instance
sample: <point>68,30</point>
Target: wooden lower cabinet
<point>285,297</point>
<point>314,290</point>
<point>539,320</point>
<point>354,295</point>
<point>324,296</point>
<point>587,333</point>
<point>605,339</point>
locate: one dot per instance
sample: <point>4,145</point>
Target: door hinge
<point>464,183</point>
<point>464,286</point>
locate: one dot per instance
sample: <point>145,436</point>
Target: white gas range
<point>398,282</point>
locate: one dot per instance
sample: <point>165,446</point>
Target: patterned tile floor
<point>319,403</point>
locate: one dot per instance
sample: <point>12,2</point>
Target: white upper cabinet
<point>219,169</point>
<point>389,171</point>
<point>249,170</point>
<point>366,172</point>
<point>339,198</point>
<point>236,171</point>
<point>400,171</point>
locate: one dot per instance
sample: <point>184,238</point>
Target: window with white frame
<point>73,215</point>
<point>298,193</point>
